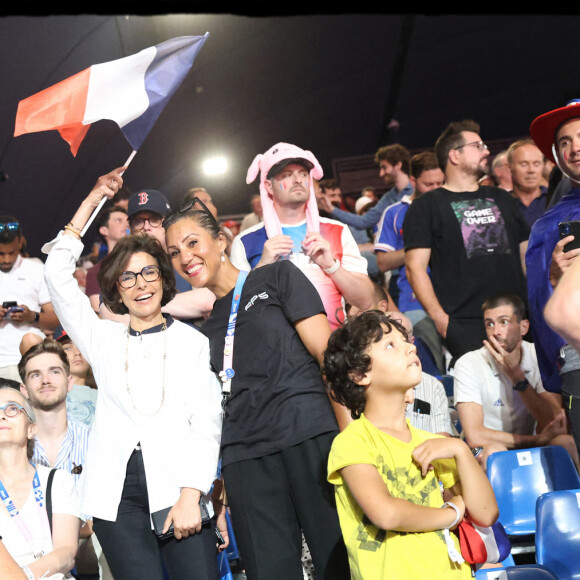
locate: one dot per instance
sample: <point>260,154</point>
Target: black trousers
<point>132,549</point>
<point>276,497</point>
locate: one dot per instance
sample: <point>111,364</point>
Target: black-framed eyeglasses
<point>138,223</point>
<point>480,145</point>
<point>189,205</point>
<point>128,279</point>
<point>13,409</point>
<point>10,226</point>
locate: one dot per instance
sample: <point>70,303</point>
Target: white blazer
<point>180,443</point>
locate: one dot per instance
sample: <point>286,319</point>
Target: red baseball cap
<point>543,128</point>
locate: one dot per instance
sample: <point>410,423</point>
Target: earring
<point>223,257</point>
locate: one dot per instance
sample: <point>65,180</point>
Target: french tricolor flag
<point>130,91</point>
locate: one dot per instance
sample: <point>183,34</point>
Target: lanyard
<point>228,372</point>
<point>34,543</point>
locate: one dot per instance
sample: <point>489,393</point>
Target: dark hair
<point>104,216</point>
<point>48,345</point>
<point>424,161</point>
<point>379,293</point>
<point>346,357</point>
<point>512,300</point>
<point>191,193</point>
<point>123,194</point>
<point>202,218</point>
<point>113,265</point>
<point>8,236</point>
<point>90,376</point>
<point>393,154</point>
<point>452,138</point>
<point>329,183</point>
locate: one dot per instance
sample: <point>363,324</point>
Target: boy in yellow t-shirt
<point>387,474</point>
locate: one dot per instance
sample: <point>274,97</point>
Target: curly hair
<point>114,264</point>
<point>346,358</point>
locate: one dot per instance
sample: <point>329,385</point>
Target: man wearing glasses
<point>24,302</point>
<point>146,210</point>
<point>472,238</point>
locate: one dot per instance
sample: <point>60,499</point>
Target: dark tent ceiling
<point>329,83</point>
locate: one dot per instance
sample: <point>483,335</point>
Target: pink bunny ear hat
<point>274,158</point>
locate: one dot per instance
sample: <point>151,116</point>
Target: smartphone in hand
<point>570,228</point>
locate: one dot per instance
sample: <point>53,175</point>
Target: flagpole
<point>102,202</point>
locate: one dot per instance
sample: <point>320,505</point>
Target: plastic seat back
<point>523,572</point>
<point>558,532</point>
<point>232,549</point>
<point>520,477</point>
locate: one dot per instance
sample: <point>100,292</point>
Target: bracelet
<point>72,229</point>
<point>28,573</point>
<point>37,317</point>
<point>457,517</point>
<point>332,268</point>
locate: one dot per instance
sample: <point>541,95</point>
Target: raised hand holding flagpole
<point>106,188</point>
<point>96,211</point>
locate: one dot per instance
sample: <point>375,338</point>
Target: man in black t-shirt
<point>472,239</point>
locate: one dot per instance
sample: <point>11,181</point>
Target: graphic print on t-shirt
<point>482,227</point>
<point>404,484</point>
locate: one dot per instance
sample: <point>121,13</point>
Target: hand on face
<point>507,361</point>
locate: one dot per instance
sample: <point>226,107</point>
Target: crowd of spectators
<point>359,309</point>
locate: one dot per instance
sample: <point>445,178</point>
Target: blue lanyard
<point>19,520</point>
<point>228,372</point>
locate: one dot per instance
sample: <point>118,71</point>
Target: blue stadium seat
<point>523,572</point>
<point>232,549</point>
<point>558,532</point>
<point>519,477</point>
<point>509,561</point>
<point>447,381</point>
<point>225,572</point>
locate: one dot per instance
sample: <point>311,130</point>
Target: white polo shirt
<point>478,380</point>
<point>24,284</point>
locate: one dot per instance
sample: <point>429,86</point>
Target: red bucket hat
<point>543,128</point>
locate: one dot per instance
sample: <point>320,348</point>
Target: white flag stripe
<point>117,89</point>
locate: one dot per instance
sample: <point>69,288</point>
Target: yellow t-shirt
<point>376,554</point>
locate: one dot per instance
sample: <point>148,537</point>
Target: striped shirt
<point>72,453</point>
<point>438,419</point>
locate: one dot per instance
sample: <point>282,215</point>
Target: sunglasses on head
<point>189,205</point>
<point>10,226</point>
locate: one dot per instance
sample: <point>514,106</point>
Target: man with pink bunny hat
<point>292,229</point>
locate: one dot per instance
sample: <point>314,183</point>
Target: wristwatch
<point>37,317</point>
<point>521,385</point>
<point>332,268</point>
